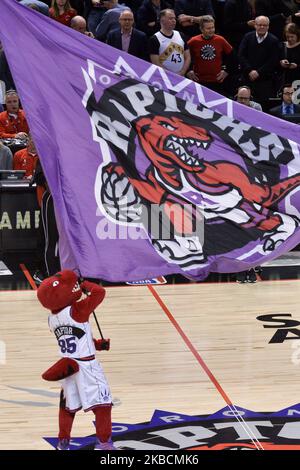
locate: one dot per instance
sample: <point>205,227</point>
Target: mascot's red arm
<point>82,310</point>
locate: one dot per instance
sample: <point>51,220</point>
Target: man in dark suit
<point>127,38</point>
<point>287,107</point>
<point>259,56</point>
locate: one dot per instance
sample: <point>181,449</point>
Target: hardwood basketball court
<point>191,349</point>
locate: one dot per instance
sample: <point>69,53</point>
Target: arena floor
<point>191,365</point>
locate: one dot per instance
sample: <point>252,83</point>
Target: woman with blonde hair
<point>62,11</point>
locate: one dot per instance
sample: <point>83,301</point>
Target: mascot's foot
<point>63,444</point>
<point>109,445</point>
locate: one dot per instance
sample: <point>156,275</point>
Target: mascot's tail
<point>62,369</point>
<point>280,190</point>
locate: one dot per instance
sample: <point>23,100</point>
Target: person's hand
<point>182,72</point>
<point>221,76</point>
<point>102,344</point>
<point>284,63</point>
<point>151,24</point>
<point>253,75</point>
<point>192,76</point>
<point>185,20</point>
<point>251,23</point>
<point>85,286</point>
<point>21,135</point>
<point>293,65</point>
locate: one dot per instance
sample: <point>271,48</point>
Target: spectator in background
<point>26,159</point>
<point>243,96</point>
<point>189,13</point>
<point>290,54</point>
<point>5,74</point>
<point>218,7</point>
<point>79,24</point>
<point>276,11</point>
<point>238,20</point>
<point>2,85</point>
<point>210,53</point>
<point>259,57</point>
<point>291,5</point>
<point>296,17</point>
<point>78,5</point>
<point>127,38</point>
<point>110,19</point>
<point>287,107</point>
<point>134,5</point>
<point>13,122</point>
<point>148,15</point>
<point>47,255</point>
<point>168,48</point>
<point>296,8</point>
<point>36,5</point>
<point>6,158</point>
<point>62,11</point>
<point>93,13</point>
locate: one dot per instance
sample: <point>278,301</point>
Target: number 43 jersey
<point>171,50</point>
<point>74,339</point>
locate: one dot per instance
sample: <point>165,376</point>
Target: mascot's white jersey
<point>74,339</point>
<point>171,51</point>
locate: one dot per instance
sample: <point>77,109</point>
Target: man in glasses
<point>259,57</point>
<point>288,107</point>
<point>244,96</point>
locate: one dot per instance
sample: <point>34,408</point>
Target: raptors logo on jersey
<point>74,339</point>
<point>208,52</point>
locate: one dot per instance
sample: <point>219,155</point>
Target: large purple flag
<point>151,173</point>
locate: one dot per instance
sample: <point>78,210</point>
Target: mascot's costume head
<point>59,291</point>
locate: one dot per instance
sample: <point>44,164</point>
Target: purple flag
<point>151,173</point>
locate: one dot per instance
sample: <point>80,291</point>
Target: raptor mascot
<point>83,382</point>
